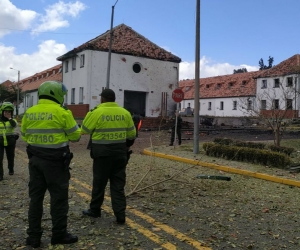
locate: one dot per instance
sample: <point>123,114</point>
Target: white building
<point>142,74</point>
<point>247,94</point>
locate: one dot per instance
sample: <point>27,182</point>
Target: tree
<point>9,94</point>
<point>262,66</point>
<point>274,106</point>
<point>242,70</point>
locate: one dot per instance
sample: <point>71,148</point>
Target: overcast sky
<point>234,33</point>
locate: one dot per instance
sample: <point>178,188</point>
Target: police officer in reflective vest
<point>7,137</point>
<point>113,132</point>
<point>47,128</point>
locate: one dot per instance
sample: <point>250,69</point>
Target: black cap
<point>108,94</point>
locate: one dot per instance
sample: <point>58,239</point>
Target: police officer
<point>7,137</point>
<point>113,132</point>
<point>47,128</point>
<point>177,127</point>
<point>136,120</point>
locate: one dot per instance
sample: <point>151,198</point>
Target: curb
<point>226,169</point>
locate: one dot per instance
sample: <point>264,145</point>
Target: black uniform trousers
<point>178,135</point>
<point>10,155</point>
<point>112,168</point>
<point>51,175</point>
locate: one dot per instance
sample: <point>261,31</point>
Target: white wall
<point>155,77</point>
<point>30,99</point>
<point>216,111</point>
<point>283,92</point>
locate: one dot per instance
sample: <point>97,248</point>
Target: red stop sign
<point>177,95</point>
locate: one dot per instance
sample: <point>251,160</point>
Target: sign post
<point>177,96</point>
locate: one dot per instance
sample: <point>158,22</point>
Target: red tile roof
<point>235,85</point>
<point>286,67</point>
<point>240,84</point>
<point>125,41</point>
<point>32,83</point>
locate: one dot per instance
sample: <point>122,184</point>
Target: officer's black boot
<point>33,242</point>
<point>11,171</point>
<point>66,239</point>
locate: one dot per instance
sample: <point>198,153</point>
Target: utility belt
<point>60,154</point>
<point>14,136</point>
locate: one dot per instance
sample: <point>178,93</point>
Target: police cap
<point>108,94</point>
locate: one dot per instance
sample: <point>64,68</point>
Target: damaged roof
<point>287,67</point>
<point>33,82</point>
<point>125,41</point>
<point>235,85</point>
<point>240,84</point>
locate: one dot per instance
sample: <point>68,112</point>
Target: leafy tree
<point>262,66</point>
<point>9,94</point>
<point>272,108</point>
<point>242,70</point>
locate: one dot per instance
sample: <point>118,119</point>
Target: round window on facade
<point>136,68</point>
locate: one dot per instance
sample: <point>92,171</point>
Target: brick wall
<point>79,110</point>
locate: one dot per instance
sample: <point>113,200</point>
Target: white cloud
<point>56,14</point>
<point>29,64</point>
<point>12,18</point>
<point>208,69</point>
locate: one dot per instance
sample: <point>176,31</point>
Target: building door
<point>135,101</point>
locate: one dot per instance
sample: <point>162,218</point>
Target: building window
<point>73,63</point>
<point>244,82</point>
<point>218,85</point>
<point>82,58</point>
<point>263,105</point>
<point>66,66</point>
<point>276,83</point>
<point>249,104</point>
<point>264,84</point>
<point>81,95</point>
<point>136,68</point>
<point>73,96</point>
<point>221,105</point>
<point>276,104</point>
<point>207,86</point>
<point>289,104</point>
<point>289,82</point>
<point>234,105</point>
<point>209,105</point>
<point>230,84</point>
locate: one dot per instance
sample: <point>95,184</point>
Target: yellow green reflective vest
<point>5,130</point>
<point>48,125</point>
<point>109,123</point>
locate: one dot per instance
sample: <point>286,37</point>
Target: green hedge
<point>252,155</point>
<point>258,145</point>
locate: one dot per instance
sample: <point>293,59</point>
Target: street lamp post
<point>18,92</point>
<point>110,44</point>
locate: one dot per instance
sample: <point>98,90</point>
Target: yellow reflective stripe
<point>44,131</point>
<point>131,128</point>
<point>71,130</point>
<point>85,129</point>
<point>110,129</point>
